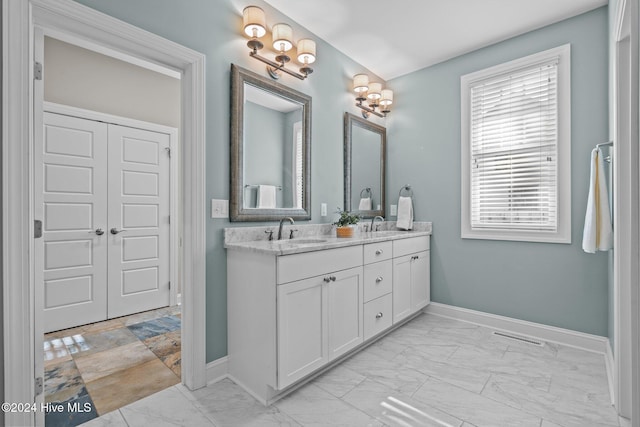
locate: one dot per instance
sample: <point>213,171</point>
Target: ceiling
<point>393,38</point>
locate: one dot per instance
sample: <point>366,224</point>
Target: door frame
<point>626,210</point>
<point>19,21</point>
<point>174,188</point>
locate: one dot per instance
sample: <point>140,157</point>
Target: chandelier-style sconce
<point>255,27</point>
<point>372,92</point>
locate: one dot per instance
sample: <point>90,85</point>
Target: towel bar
<point>406,188</point>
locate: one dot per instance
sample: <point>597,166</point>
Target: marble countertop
<point>318,242</point>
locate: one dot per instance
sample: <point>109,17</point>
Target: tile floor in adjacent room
<point>106,365</point>
<point>431,372</point>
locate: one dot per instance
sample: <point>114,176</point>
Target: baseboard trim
<point>553,334</point>
<point>217,370</point>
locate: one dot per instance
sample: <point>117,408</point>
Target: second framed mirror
<point>365,147</point>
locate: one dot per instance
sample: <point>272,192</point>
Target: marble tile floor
<point>431,372</point>
<point>95,369</point>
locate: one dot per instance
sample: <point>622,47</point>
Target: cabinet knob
<point>415,257</point>
<point>379,252</point>
<point>379,315</point>
<point>379,279</point>
<point>333,278</point>
<point>327,279</point>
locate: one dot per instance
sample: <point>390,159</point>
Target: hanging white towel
<point>597,233</point>
<point>404,220</point>
<point>266,197</point>
<point>365,204</point>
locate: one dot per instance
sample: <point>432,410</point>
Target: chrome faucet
<point>282,223</point>
<point>374,220</point>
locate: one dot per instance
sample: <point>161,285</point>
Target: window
<point>297,164</point>
<point>516,150</point>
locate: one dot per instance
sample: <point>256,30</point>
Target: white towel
<point>404,220</point>
<point>597,233</point>
<point>365,204</point>
<point>266,196</point>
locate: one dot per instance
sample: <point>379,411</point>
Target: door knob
<point>98,231</point>
<point>116,231</point>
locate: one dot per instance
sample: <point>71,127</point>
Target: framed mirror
<point>365,147</point>
<point>270,149</point>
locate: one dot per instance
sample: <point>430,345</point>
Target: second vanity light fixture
<point>255,26</point>
<point>373,93</point>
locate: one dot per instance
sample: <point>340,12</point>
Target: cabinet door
<point>401,287</point>
<point>420,280</point>
<point>302,329</point>
<point>345,311</point>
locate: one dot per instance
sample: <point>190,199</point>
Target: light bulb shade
<point>253,19</point>
<point>306,51</point>
<point>282,35</point>
<point>360,83</point>
<point>374,91</point>
<point>386,97</point>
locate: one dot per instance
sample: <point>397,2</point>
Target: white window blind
<point>514,149</point>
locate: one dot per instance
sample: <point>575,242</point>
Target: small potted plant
<point>345,225</point>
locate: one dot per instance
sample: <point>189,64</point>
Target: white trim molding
<point>542,332</point>
<point>21,19</point>
<point>218,370</point>
<point>626,197</point>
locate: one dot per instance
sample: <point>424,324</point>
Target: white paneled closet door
<point>70,188</point>
<point>104,193</point>
<point>138,220</point>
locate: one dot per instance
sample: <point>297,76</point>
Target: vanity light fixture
<point>255,26</point>
<point>375,96</point>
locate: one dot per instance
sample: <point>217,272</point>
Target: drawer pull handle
<point>379,252</point>
<point>379,279</point>
<point>379,315</point>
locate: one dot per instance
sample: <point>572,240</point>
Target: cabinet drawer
<point>309,264</point>
<point>408,246</point>
<point>377,316</point>
<point>374,252</point>
<point>378,279</point>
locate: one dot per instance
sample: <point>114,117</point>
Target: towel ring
<point>406,188</point>
<point>365,190</point>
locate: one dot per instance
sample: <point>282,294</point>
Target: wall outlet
<point>219,208</point>
<point>323,209</point>
<point>394,210</point>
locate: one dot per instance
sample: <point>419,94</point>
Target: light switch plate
<point>219,208</point>
<point>323,209</point>
<point>394,210</point>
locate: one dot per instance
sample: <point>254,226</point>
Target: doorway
<point>21,22</point>
<point>103,190</point>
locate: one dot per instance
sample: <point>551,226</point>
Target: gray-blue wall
<point>553,284</point>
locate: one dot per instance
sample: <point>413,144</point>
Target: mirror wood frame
<point>237,211</point>
<point>351,120</point>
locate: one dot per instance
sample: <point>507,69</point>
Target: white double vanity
<point>299,305</point>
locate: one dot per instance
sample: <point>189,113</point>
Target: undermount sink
<point>299,241</point>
